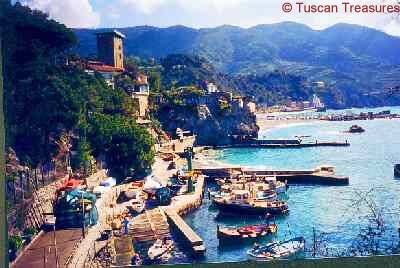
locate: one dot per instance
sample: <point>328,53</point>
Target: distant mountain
<point>351,59</point>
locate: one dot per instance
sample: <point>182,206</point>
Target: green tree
<point>126,145</point>
<point>83,158</point>
<point>155,81</point>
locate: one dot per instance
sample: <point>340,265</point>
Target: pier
<point>322,176</point>
<point>281,144</point>
<point>181,205</point>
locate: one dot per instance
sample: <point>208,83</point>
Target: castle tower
<point>110,48</point>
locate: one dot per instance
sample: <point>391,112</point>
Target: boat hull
<point>250,210</point>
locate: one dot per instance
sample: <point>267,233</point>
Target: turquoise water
<point>368,162</point>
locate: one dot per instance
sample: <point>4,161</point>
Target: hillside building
<point>110,48</point>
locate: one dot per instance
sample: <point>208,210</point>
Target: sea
<point>332,219</point>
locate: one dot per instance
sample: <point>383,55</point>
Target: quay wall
<point>182,205</point>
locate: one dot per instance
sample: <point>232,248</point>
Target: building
<point>140,94</point>
<point>110,48</point>
<point>110,57</point>
<point>108,72</point>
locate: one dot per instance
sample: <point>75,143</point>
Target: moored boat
<point>246,232</point>
<point>356,129</point>
<point>160,248</point>
<point>397,170</point>
<point>276,250</point>
<point>240,201</point>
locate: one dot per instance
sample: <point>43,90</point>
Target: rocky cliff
<point>215,122</point>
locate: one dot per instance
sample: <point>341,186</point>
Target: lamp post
<point>189,156</point>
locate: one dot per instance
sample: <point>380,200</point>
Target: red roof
<point>101,67</point>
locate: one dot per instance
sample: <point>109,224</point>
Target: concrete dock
<point>181,205</point>
<point>316,176</point>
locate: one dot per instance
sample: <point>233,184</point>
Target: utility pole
<point>3,201</point>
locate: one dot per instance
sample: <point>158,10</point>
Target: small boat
<point>151,185</point>
<point>240,202</point>
<point>356,129</point>
<point>277,250</point>
<point>160,248</point>
<point>397,170</point>
<point>246,232</point>
<point>278,186</point>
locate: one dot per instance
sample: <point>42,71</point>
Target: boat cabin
<point>325,168</point>
<point>240,195</point>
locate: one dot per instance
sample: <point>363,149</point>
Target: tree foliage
<point>45,98</point>
<point>127,146</point>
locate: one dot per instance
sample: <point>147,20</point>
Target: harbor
<point>144,223</point>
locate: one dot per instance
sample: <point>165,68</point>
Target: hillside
<point>351,59</point>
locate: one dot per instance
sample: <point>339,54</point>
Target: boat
<point>356,129</point>
<point>278,186</point>
<point>239,201</point>
<point>151,185</point>
<point>397,170</point>
<point>277,250</point>
<point>160,248</point>
<point>246,232</point>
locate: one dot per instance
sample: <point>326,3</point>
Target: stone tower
<point>110,48</point>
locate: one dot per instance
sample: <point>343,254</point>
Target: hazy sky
<point>204,13</point>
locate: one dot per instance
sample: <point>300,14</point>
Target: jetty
<point>181,205</point>
<point>281,144</point>
<point>324,175</point>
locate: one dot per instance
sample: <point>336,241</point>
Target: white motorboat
<point>277,250</point>
<point>160,248</point>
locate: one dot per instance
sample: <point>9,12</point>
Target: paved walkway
<point>41,253</point>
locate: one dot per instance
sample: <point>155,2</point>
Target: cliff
<point>216,119</point>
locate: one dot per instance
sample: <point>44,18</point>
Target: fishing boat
<point>356,129</point>
<point>160,248</point>
<point>277,250</point>
<point>246,232</point>
<point>239,201</point>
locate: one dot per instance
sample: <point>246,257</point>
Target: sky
<point>206,13</point>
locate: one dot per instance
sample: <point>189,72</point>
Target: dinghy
<point>246,232</point>
<point>160,248</point>
<point>277,250</point>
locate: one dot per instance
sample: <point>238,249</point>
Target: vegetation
<point>128,147</point>
<point>47,100</point>
<point>352,60</point>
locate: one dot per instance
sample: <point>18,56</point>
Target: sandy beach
<point>267,124</point>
